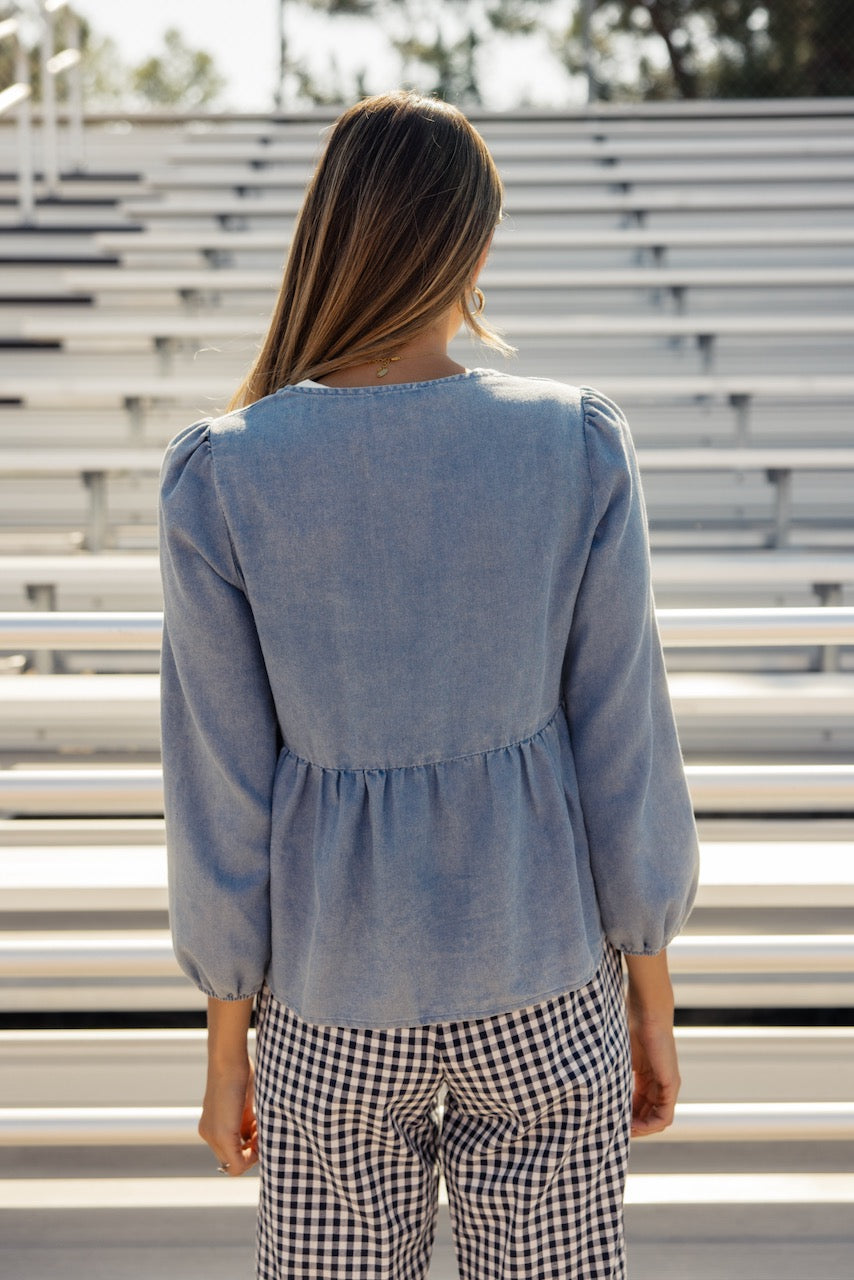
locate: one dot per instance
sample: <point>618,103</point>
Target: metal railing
<point>53,65</point>
<point>680,628</point>
<point>178,1126</point>
<point>105,957</point>
<point>715,788</point>
<point>43,633</point>
<point>18,96</point>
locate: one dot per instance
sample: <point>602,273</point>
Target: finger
<point>651,1119</point>
<point>645,1128</point>
<point>236,1162</point>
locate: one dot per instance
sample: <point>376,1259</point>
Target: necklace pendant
<point>385,361</point>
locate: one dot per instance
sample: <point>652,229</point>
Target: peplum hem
<point>468,874</point>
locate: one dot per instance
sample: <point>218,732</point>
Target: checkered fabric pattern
<point>532,1140</point>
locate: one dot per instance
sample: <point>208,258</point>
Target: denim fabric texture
<point>419,754</point>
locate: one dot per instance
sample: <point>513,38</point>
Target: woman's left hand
<point>228,1123</point>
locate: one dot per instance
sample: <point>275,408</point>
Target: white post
<point>587,46</point>
<point>77,144</point>
<point>279,95</point>
<point>26,197</point>
<point>50,149</point>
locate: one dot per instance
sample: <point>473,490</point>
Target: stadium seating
<point>697,266</point>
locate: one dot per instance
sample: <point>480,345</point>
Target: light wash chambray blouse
<point>419,753</point>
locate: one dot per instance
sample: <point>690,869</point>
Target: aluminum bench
<point>567,172</point>
<point>51,581</point>
<point>169,333</point>
<point>95,465</point>
<point>631,205</point>
<point>41,879</point>
<point>741,712</point>
<point>219,245</point>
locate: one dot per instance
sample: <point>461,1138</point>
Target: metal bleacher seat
<point>94,465</point>
<point>726,228</point>
<point>83,580</point>
<point>748,714</point>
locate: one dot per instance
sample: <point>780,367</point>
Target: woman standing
<point>423,786</point>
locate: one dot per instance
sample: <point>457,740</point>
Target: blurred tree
<point>832,62</point>
<point>517,17</point>
<point>451,66</point>
<point>439,43</point>
<point>717,48</point>
<point>179,77</point>
<point>357,8</point>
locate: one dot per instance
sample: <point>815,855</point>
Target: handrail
<point>702,628</point>
<point>178,1126</point>
<point>54,64</point>
<point>99,957</point>
<point>18,95</point>
<point>739,788</point>
<point>680,628</point>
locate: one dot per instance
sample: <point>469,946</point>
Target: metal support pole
<point>587,48</point>
<point>43,597</point>
<point>279,96</point>
<point>96,531</point>
<point>706,345</point>
<point>26,195</point>
<point>830,594</point>
<point>741,404</point>
<point>782,481</point>
<point>50,149</point>
<point>76,137</point>
<point>135,407</point>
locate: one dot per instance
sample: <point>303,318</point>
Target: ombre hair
<point>401,206</point>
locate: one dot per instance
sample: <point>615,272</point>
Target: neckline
<point>308,384</point>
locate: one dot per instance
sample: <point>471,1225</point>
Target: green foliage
<point>179,77</point>
<point>516,17</point>
<point>450,66</point>
<point>355,8</point>
<point>329,93</point>
<point>718,48</point>
<point>640,50</point>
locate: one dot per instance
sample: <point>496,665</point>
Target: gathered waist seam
<point>425,764</point>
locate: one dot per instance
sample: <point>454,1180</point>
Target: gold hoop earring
<point>481,301</point>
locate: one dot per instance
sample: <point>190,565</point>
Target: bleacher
<point>698,267</point>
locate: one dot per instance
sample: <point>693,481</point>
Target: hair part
<point>401,206</point>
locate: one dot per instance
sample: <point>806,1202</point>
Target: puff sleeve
<point>634,795</point>
<point>219,735</point>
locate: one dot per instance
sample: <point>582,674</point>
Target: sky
<point>242,36</point>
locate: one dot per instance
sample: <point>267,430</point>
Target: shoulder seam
<point>220,507</point>
<point>595,517</point>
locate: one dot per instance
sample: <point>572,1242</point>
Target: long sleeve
<point>634,795</point>
<point>219,735</point>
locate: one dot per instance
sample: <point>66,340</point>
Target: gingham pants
<point>533,1141</point>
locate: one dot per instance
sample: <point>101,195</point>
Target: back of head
<point>401,206</point>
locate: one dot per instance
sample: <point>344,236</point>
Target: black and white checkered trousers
<point>532,1141</point>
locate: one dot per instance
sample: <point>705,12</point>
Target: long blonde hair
<point>403,202</point>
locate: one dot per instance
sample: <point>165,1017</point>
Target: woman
<point>423,786</point>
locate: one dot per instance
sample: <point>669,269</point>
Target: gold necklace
<point>385,361</point>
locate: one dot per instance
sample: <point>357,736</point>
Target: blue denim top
<point>419,754</point>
